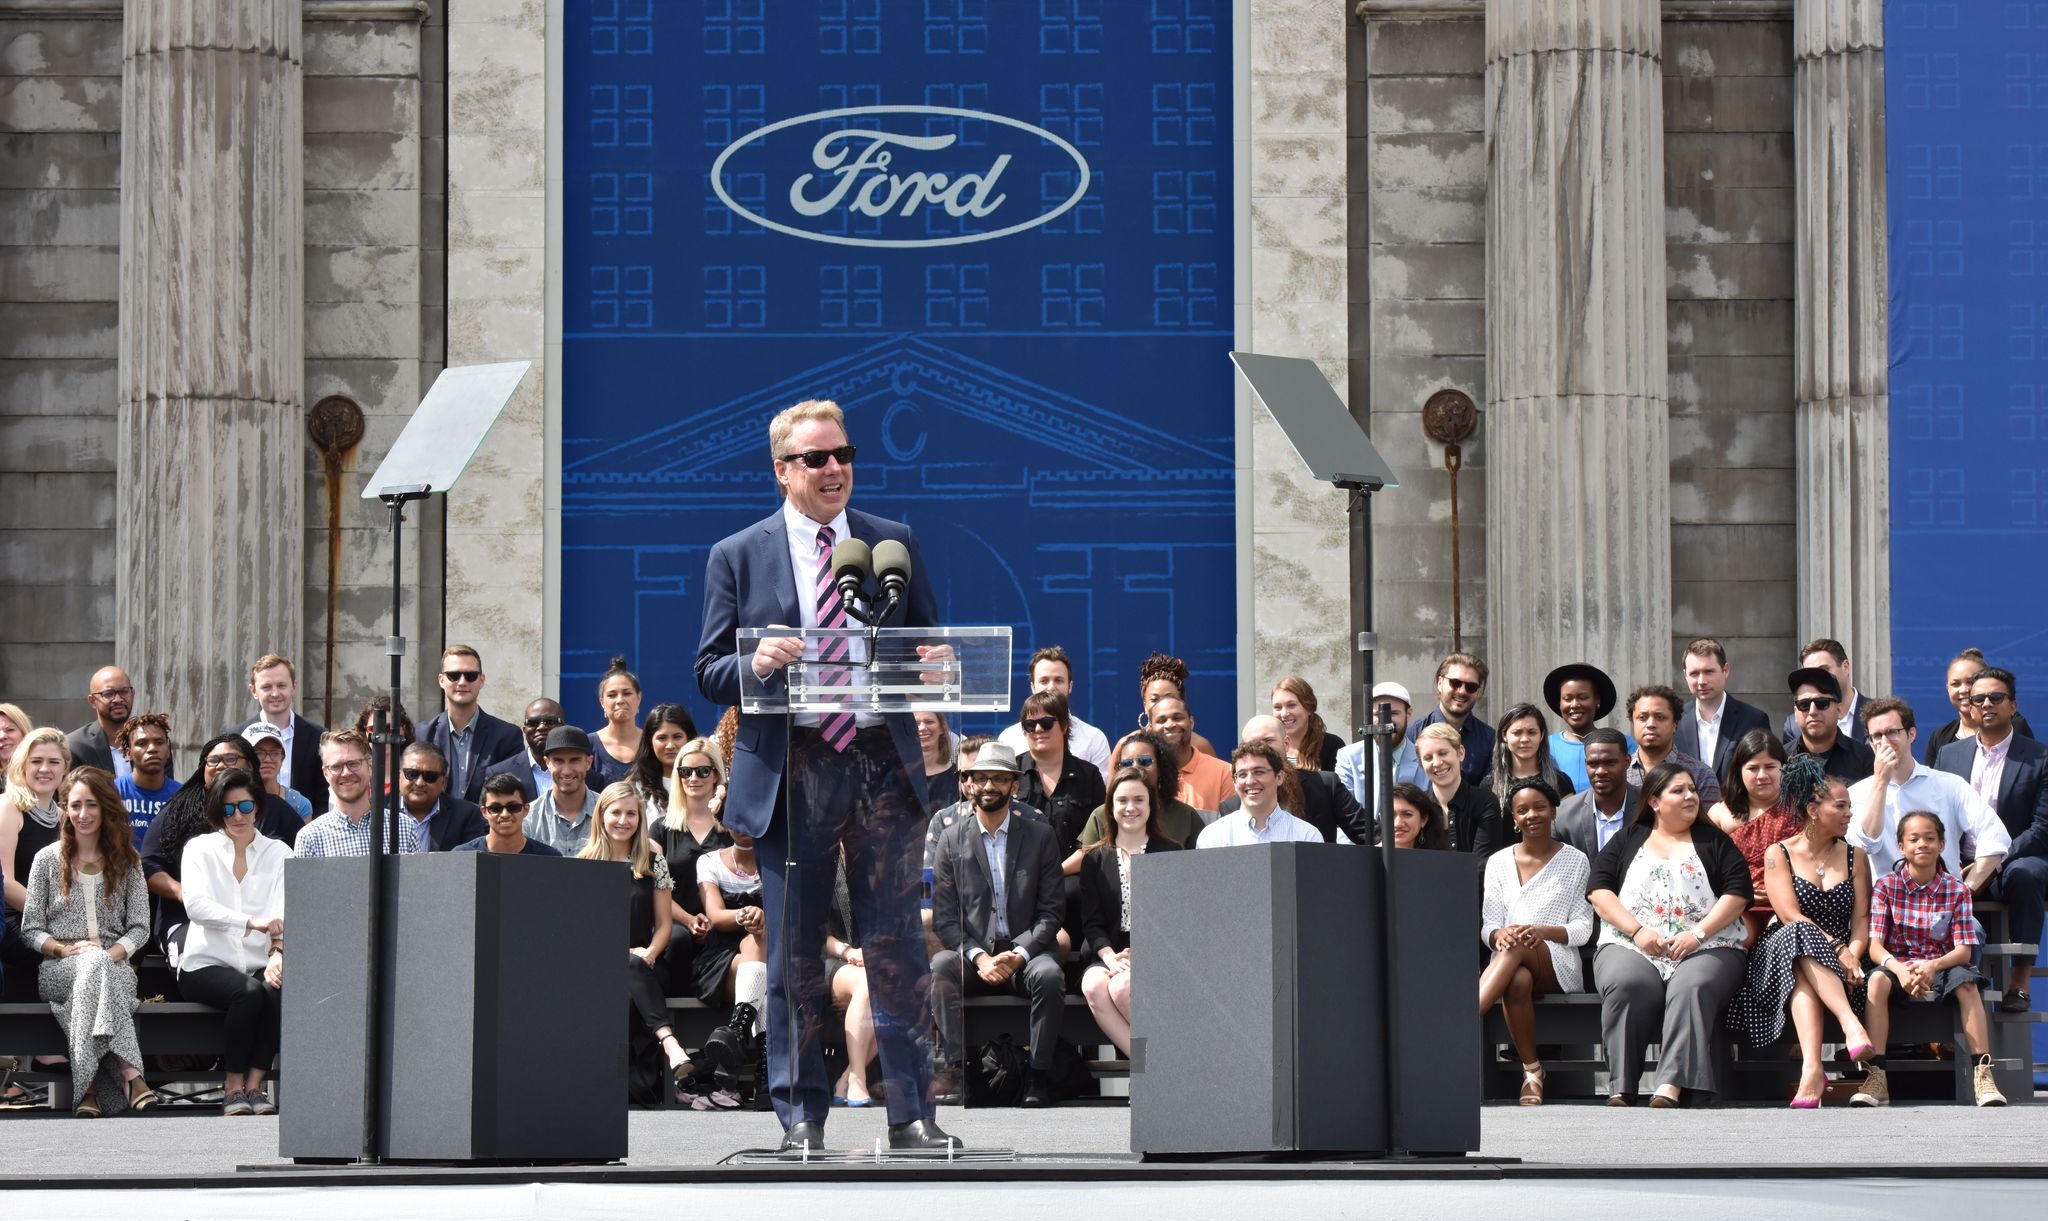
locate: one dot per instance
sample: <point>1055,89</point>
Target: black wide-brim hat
<point>1603,686</point>
<point>1813,676</point>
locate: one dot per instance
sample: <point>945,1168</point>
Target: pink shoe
<point>1859,1052</point>
<point>1806,1104</point>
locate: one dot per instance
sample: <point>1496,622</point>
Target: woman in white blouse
<point>234,948</point>
<point>1534,917</point>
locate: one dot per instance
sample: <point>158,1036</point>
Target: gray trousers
<point>1040,981</point>
<point>1638,1008</point>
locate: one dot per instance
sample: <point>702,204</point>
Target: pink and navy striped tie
<point>837,728</point>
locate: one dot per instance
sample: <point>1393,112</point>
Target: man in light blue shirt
<point>1356,764</point>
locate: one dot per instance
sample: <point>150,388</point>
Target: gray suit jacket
<point>963,892</point>
<point>1577,825</point>
<point>89,746</point>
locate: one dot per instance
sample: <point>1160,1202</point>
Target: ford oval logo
<point>893,179</point>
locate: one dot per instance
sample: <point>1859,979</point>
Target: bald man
<point>112,698</point>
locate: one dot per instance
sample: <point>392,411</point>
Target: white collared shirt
<point>1235,830</point>
<point>221,908</point>
<point>1948,797</point>
<point>809,569</point>
<point>1710,729</point>
<point>1988,769</point>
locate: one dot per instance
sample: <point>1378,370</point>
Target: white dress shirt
<point>1987,770</point>
<point>1948,797</point>
<point>1235,830</point>
<point>1709,730</point>
<point>808,569</point>
<point>221,908</point>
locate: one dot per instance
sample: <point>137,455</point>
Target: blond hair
<point>1442,733</point>
<point>270,661</point>
<point>17,768</point>
<point>21,721</point>
<point>674,820</point>
<point>599,846</point>
<point>786,420</point>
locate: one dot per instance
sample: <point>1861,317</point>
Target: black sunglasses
<point>1039,724</point>
<point>417,774</point>
<point>1814,703</point>
<point>542,722</point>
<point>462,676</point>
<point>816,458</point>
<point>513,807</point>
<point>698,772</point>
<point>1459,684</point>
<point>1989,697</point>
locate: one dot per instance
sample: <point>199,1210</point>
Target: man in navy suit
<point>470,738</point>
<point>2010,772</point>
<point>275,684</point>
<point>1715,721</point>
<point>848,782</point>
<point>445,820</point>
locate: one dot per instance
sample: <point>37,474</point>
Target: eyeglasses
<point>1993,698</point>
<point>462,676</point>
<point>1137,761</point>
<point>343,768</point>
<point>1814,703</point>
<point>1882,734</point>
<point>504,807</point>
<point>232,808</point>
<point>702,771</point>
<point>1043,724</point>
<point>114,693</point>
<point>417,774</point>
<point>226,761</point>
<point>1459,684</point>
<point>543,722</point>
<point>816,458</point>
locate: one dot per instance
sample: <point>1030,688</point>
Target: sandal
<point>1532,1085</point>
<point>140,1096</point>
<point>88,1107</point>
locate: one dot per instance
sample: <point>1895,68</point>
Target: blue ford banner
<point>998,234</point>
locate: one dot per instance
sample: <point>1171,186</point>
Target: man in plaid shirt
<point>1921,935</point>
<point>345,829</point>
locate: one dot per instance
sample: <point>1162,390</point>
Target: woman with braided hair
<point>1813,957</point>
<point>1161,676</point>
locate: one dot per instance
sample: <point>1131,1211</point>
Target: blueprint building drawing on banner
<point>999,235</point>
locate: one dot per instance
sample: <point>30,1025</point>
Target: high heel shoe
<point>140,1096</point>
<point>1806,1104</point>
<point>1859,1052</point>
<point>1532,1085</point>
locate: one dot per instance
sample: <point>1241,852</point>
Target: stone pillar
<point>1578,488</point>
<point>1840,363</point>
<point>208,540</point>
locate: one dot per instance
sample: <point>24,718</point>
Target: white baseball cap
<point>1396,690</point>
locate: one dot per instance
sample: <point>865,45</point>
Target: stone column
<point>1840,363</point>
<point>209,534</point>
<point>1578,485</point>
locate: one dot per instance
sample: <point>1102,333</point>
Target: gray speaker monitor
<point>492,977</point>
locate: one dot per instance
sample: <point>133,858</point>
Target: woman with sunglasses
<point>618,740</point>
<point>1147,752</point>
<point>1058,784</point>
<point>186,818</point>
<point>234,945</point>
<point>689,828</point>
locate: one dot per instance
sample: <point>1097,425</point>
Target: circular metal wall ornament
<point>1449,418</point>
<point>335,424</point>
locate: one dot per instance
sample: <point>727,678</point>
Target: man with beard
<point>1358,771</point>
<point>1816,699</point>
<point>1204,779</point>
<point>530,765</point>
<point>345,829</point>
<point>1460,681</point>
<point>561,819</point>
<point>1653,711</point>
<point>112,698</point>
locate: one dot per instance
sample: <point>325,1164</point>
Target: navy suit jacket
<point>1737,719</point>
<point>749,582</point>
<point>520,765</point>
<point>2022,790</point>
<point>456,822</point>
<point>307,777</point>
<point>491,741</point>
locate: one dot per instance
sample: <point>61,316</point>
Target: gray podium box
<point>494,979</point>
<point>1257,1012</point>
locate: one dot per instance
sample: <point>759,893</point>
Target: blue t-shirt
<point>482,843</point>
<point>143,804</point>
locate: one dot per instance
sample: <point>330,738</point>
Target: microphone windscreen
<point>892,557</point>
<point>852,554</point>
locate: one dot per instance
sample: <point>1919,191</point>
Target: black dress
<point>1757,1012</point>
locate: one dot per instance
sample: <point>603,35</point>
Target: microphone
<point>892,573</point>
<point>851,567</point>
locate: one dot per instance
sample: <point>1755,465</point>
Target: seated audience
<point>1922,938</point>
<point>345,829</point>
<point>1816,704</point>
<point>1670,892</point>
<point>688,831</point>
<point>1357,766</point>
<point>267,741</point>
<point>145,742</point>
<point>1471,810</point>
<point>1052,673</point>
<point>662,737</point>
<point>1163,677</point>
<point>444,819</point>
<point>1653,713</point>
<point>234,945</point>
<point>1307,746</point>
<point>1062,785</point>
<point>1754,811</point>
<point>1316,798</point>
<point>541,718</point>
<point>1522,751</point>
<point>941,777</point>
<point>29,817</point>
<point>1106,898</point>
<point>186,818</point>
<point>2011,774</point>
<point>1147,751</point>
<point>1589,819</point>
<point>1533,917</point>
<point>1002,779</point>
<point>619,833</point>
<point>504,815</point>
<point>88,915</point>
<point>1812,958</point>
<point>1204,779</point>
<point>997,899</point>
<point>563,818</point>
<point>1460,681</point>
<point>618,741</point>
<point>1418,820</point>
<point>1261,770</point>
<point>1581,695</point>
<point>846,973</point>
<point>733,958</point>
<point>1899,785</point>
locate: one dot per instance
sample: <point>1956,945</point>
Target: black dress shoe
<point>2015,1002</point>
<point>794,1140</point>
<point>1038,1091</point>
<point>920,1134</point>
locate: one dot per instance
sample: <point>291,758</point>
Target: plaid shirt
<point>332,834</point>
<point>1918,922</point>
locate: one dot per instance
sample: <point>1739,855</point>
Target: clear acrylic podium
<point>868,671</point>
